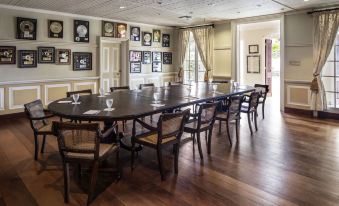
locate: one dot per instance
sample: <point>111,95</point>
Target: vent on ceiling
<point>185,17</point>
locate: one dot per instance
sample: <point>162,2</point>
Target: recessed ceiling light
<point>306,0</point>
<point>122,7</point>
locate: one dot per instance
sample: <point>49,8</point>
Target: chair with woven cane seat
<point>167,133</point>
<point>202,121</point>
<point>263,89</point>
<point>39,123</point>
<point>249,107</point>
<point>230,112</point>
<point>80,92</point>
<point>114,89</point>
<point>80,144</point>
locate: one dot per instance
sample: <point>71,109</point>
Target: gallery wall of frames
<point>41,52</point>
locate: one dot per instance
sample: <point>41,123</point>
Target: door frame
<point>236,51</point>
<point>124,50</point>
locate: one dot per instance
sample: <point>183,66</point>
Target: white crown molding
<point>47,80</point>
<point>58,13</point>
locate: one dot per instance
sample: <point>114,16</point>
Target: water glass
<point>214,87</point>
<point>76,98</point>
<point>156,97</point>
<point>102,92</point>
<point>189,89</point>
<point>109,103</point>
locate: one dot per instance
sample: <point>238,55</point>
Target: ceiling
<point>167,12</point>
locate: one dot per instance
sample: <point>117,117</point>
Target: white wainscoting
<point>157,78</point>
<point>48,86</point>
<point>2,99</point>
<point>290,101</point>
<point>76,85</point>
<point>11,90</point>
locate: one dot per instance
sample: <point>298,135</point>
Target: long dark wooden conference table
<point>132,104</point>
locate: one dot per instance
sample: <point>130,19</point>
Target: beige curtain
<point>324,33</point>
<point>203,37</point>
<point>184,35</point>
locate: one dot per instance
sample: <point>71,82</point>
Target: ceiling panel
<point>167,12</point>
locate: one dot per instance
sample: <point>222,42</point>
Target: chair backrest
<point>78,139</point>
<point>174,83</point>
<point>35,109</point>
<point>263,89</point>
<point>254,100</point>
<point>207,113</point>
<point>234,106</point>
<point>114,89</point>
<point>219,81</point>
<point>172,124</point>
<point>80,92</point>
<point>142,86</point>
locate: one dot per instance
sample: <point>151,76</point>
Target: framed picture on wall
<point>108,29</point>
<point>253,64</point>
<point>121,30</point>
<point>26,28</point>
<point>156,67</point>
<point>46,55</point>
<point>135,33</point>
<point>82,61</point>
<point>166,40</point>
<point>156,35</point>
<point>63,56</point>
<point>167,57</point>
<point>135,67</point>
<point>81,31</point>
<point>156,56</point>
<point>135,56</point>
<point>7,54</point>
<point>146,38</point>
<point>27,58</point>
<point>253,49</point>
<point>146,57</point>
<point>55,29</point>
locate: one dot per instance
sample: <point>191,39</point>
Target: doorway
<point>259,56</point>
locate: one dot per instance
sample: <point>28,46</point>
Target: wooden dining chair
<point>123,88</point>
<point>80,144</point>
<point>202,121</point>
<point>174,83</point>
<point>249,106</point>
<point>38,117</point>
<point>219,81</point>
<point>142,86</point>
<point>167,133</point>
<point>80,92</point>
<point>263,89</point>
<point>230,111</point>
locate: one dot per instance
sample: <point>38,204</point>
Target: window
<point>194,69</point>
<point>330,76</point>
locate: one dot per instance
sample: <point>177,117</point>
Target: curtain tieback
<point>315,85</point>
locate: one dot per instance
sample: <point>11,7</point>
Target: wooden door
<point>268,64</point>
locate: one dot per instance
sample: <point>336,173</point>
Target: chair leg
<point>228,132</point>
<point>199,145</point>
<point>132,155</point>
<point>263,110</point>
<point>209,140</point>
<point>237,129</point>
<point>206,137</point>
<point>219,126</point>
<point>43,144</point>
<point>176,157</point>
<point>255,120</point>
<point>118,165</point>
<point>36,146</point>
<point>249,122</point>
<point>66,182</point>
<point>93,182</point>
<point>161,169</point>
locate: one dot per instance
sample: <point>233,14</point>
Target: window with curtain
<point>330,76</point>
<point>194,69</point>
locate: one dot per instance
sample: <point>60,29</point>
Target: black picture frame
<point>135,67</point>
<point>135,33</point>
<point>156,66</point>
<point>253,49</point>
<point>81,31</point>
<point>166,40</point>
<point>63,56</point>
<point>26,28</point>
<point>146,38</point>
<point>146,57</point>
<point>135,56</point>
<point>156,35</point>
<point>121,30</point>
<point>108,29</point>
<point>253,64</point>
<point>156,56</point>
<point>7,55</point>
<point>82,61</point>
<point>167,57</point>
<point>46,55</point>
<point>55,29</point>
<point>27,58</point>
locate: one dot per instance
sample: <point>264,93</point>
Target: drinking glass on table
<point>214,87</point>
<point>189,89</point>
<point>75,98</point>
<point>109,104</point>
<point>102,92</point>
<point>156,97</point>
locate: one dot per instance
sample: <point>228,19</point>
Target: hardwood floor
<point>291,160</point>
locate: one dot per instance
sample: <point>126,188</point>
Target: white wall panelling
<point>11,90</point>
<point>2,99</point>
<point>47,86</point>
<point>76,85</point>
<point>290,100</point>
